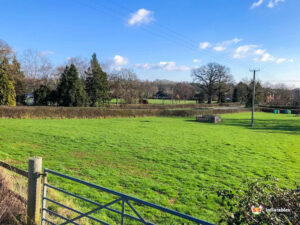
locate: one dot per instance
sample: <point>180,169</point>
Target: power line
<point>177,37</point>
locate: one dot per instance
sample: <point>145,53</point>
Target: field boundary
<point>40,112</point>
<point>14,169</point>
<point>120,198</point>
<point>37,198</point>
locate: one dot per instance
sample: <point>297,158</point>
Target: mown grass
<point>168,161</point>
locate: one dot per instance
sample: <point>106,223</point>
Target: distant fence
<point>37,199</point>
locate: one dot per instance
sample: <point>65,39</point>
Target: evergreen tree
<point>15,75</point>
<point>235,96</point>
<point>70,91</point>
<point>42,95</point>
<point>259,95</point>
<point>240,93</point>
<point>18,79</point>
<point>97,86</point>
<point>7,91</point>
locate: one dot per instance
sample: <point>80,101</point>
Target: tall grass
<point>12,204</point>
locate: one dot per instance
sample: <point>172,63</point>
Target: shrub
<point>101,112</point>
<point>143,101</point>
<point>264,192</point>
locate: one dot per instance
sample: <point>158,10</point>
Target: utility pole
<point>253,95</point>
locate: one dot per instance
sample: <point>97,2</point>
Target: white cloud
<point>219,48</point>
<point>197,60</point>
<point>273,3</point>
<point>225,44</point>
<point>280,60</point>
<point>263,56</point>
<point>234,41</point>
<point>167,66</point>
<point>256,4</point>
<point>243,51</point>
<point>291,60</point>
<point>204,45</point>
<point>120,60</point>
<point>46,53</point>
<point>142,16</point>
<point>116,63</point>
<point>259,51</point>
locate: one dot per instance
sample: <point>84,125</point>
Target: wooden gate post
<point>34,190</point>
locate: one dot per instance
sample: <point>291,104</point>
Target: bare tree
<point>210,77</point>
<point>36,65</point>
<point>115,81</point>
<point>37,68</point>
<point>282,95</point>
<point>82,65</point>
<point>129,86</point>
<point>223,83</point>
<point>146,90</point>
<point>183,91</point>
<point>5,51</point>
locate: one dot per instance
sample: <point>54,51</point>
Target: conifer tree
<point>15,75</point>
<point>70,91</point>
<point>97,86</point>
<point>7,91</point>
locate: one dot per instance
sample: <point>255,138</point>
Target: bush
<point>143,101</point>
<point>91,112</point>
<point>269,196</point>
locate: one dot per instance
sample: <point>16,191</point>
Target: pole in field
<point>34,191</point>
<point>253,95</point>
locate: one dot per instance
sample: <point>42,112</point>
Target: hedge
<point>89,112</point>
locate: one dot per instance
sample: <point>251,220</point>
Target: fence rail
<point>36,212</point>
<point>14,169</point>
<point>121,198</point>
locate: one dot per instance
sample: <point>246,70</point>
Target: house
<point>29,99</point>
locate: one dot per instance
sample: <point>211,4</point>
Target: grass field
<point>168,161</point>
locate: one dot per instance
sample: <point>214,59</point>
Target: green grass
<point>168,161</point>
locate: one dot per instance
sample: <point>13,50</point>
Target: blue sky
<point>162,39</point>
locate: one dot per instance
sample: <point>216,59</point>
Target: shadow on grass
<point>273,126</point>
<point>282,126</point>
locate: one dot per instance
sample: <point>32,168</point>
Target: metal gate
<point>121,198</point>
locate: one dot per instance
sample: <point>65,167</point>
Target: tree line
<point>79,82</point>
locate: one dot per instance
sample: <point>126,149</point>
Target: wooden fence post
<point>34,190</point>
